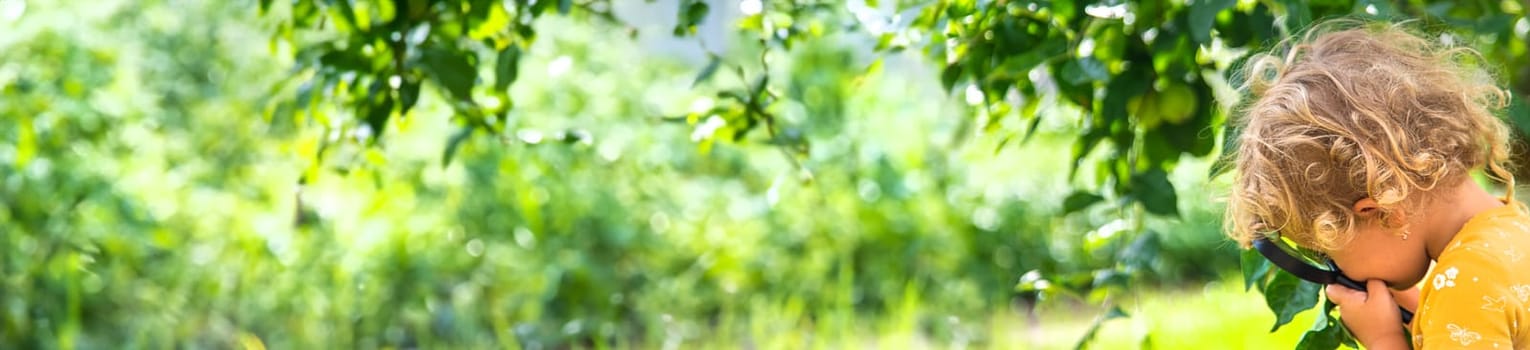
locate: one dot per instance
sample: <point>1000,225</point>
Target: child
<point>1358,144</point>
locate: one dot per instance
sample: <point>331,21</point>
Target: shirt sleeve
<point>1467,307</point>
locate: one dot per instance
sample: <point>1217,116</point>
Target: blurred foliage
<point>572,179</point>
<point>1150,78</point>
<point>1144,74</point>
<point>144,205</point>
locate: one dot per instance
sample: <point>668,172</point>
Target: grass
<point>1217,315</point>
<point>1214,315</point>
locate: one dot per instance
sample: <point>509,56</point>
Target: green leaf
<point>1173,54</point>
<point>1079,200</point>
<point>1203,14</point>
<point>1236,31</point>
<point>1142,252</point>
<point>1030,130</point>
<point>344,60</point>
<point>1151,13</point>
<point>408,95</point>
<point>1002,143</point>
<point>346,12</point>
<point>1440,9</point>
<point>885,41</point>
<point>1262,23</point>
<point>1287,295</point>
<point>1518,114</point>
<point>454,143</point>
<point>1255,268</point>
<point>1084,70</point>
<point>1076,282</point>
<point>379,111</point>
<point>305,94</point>
<point>1076,87</point>
<point>694,14</point>
<point>564,6</point>
<point>1155,192</point>
<point>1156,147</point>
<point>1018,67</point>
<point>507,67</point>
<point>265,6</point>
<point>1499,23</point>
<point>1298,15</point>
<point>1136,81</point>
<point>453,71</point>
<point>1064,9</point>
<point>1325,334</point>
<point>950,75</point>
<point>527,33</point>
<point>959,9</point>
<point>1345,338</point>
<point>539,8</point>
<point>1082,146</point>
<point>758,89</point>
<point>706,72</point>
<point>304,13</point>
<point>1110,279</point>
<point>1114,313</point>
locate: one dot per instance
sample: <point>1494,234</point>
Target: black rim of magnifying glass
<point>1304,270</point>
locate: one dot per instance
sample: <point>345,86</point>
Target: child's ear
<point>1367,208</point>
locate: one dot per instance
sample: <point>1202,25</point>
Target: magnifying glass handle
<point>1272,251</point>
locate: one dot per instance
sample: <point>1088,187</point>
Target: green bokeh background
<point>149,199</point>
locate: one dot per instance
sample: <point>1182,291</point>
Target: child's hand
<point>1371,315</point>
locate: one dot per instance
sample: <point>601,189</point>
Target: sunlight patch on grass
<point>1218,316</point>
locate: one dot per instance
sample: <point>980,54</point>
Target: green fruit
<point>1110,46</point>
<point>1145,108</point>
<point>1176,103</point>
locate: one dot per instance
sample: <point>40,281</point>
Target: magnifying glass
<point>1311,266</point>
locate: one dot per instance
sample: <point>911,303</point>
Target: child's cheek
<point>1373,255</point>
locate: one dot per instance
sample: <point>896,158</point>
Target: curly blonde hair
<point>1351,110</point>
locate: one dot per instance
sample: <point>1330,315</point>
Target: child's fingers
<point>1344,296</point>
<point>1377,290</point>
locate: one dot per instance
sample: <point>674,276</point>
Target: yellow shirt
<point>1478,291</point>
